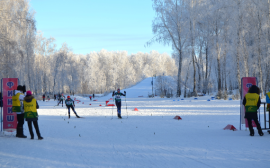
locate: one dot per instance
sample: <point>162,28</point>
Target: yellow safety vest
<point>30,109</point>
<point>16,104</point>
<point>251,102</point>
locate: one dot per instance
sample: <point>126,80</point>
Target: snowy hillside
<point>149,137</point>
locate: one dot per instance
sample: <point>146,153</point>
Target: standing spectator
<point>43,97</point>
<point>93,96</point>
<point>17,103</point>
<point>30,106</point>
<point>54,96</point>
<point>252,103</point>
<point>90,97</point>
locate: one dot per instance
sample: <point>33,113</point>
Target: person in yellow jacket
<point>30,106</point>
<point>252,103</point>
<point>17,101</point>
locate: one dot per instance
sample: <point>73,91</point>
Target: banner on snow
<point>9,118</point>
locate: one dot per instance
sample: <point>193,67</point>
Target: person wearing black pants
<point>70,104</point>
<point>17,99</point>
<point>118,95</point>
<point>30,106</point>
<point>252,102</point>
<point>61,99</point>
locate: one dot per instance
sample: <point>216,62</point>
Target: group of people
<point>91,97</point>
<point>252,103</point>
<point>25,105</point>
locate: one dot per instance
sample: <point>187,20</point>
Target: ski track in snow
<point>148,138</point>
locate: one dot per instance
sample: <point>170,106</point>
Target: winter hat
<point>19,87</point>
<point>68,97</point>
<point>118,89</point>
<point>28,93</point>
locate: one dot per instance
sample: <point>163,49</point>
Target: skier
<point>17,103</point>
<point>54,97</point>
<point>43,97</point>
<point>118,95</point>
<point>90,97</point>
<point>70,104</point>
<point>30,106</point>
<point>61,99</point>
<point>252,103</point>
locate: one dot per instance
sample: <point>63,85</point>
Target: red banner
<point>9,118</point>
<point>247,82</point>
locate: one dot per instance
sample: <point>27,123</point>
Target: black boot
<point>251,132</point>
<point>77,115</point>
<point>119,115</point>
<point>259,128</point>
<point>20,133</point>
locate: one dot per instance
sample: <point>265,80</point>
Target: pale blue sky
<point>92,25</point>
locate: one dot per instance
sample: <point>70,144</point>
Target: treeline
<point>215,42</point>
<point>34,59</point>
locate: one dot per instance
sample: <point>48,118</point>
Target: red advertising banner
<point>9,118</point>
<point>247,82</point>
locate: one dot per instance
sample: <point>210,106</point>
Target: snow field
<point>149,137</point>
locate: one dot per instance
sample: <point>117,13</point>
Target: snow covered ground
<point>149,137</point>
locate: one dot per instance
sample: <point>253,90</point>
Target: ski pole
<point>126,106</point>
<point>112,108</point>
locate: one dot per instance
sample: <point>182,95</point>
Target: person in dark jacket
<point>252,103</point>
<point>43,97</point>
<point>61,100</point>
<point>118,95</point>
<point>70,104</point>
<point>30,106</point>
